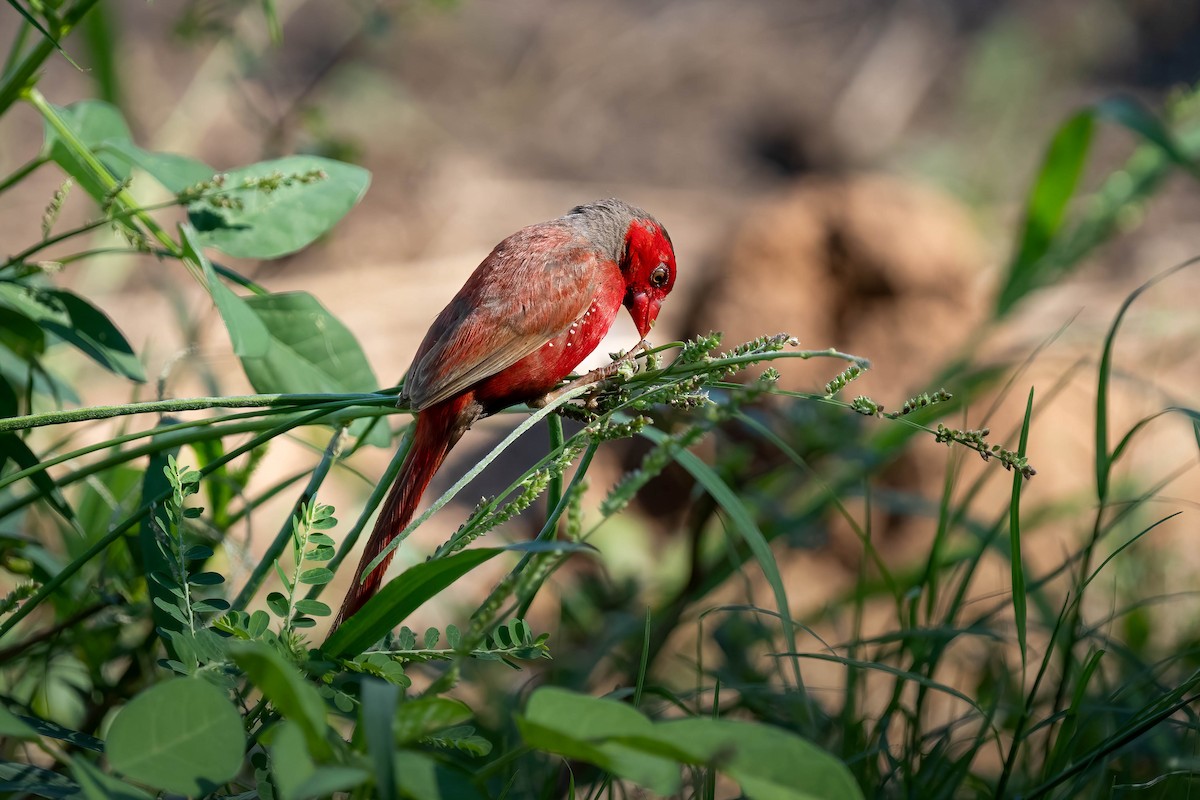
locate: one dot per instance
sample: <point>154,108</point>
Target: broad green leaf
<point>768,763</point>
<point>398,598</point>
<point>282,684</point>
<point>181,736</point>
<point>174,172</point>
<point>96,785</point>
<point>421,777</point>
<point>326,780</point>
<point>291,763</point>
<point>425,715</point>
<point>273,223</point>
<point>28,779</point>
<point>249,335</point>
<point>310,350</point>
<point>582,727</point>
<point>77,322</point>
<point>94,122</point>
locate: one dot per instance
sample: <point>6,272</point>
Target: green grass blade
<point>1020,600</point>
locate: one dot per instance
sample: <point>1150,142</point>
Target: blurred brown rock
<point>872,265</point>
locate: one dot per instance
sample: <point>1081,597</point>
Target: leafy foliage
<point>125,600</point>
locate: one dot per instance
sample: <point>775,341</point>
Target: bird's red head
<point>648,264</point>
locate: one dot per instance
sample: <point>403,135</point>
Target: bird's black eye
<point>660,276</point>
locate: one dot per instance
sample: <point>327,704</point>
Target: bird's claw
<point>624,365</point>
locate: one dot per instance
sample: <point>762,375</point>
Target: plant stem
<point>187,404</point>
<point>21,172</point>
<point>272,553</point>
<point>105,178</point>
<point>17,79</point>
<point>101,544</point>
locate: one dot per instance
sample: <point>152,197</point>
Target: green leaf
<point>247,333</point>
<point>768,763</point>
<point>1046,206</point>
<point>174,172</point>
<point>398,598</point>
<point>291,763</point>
<point>28,779</point>
<point>1017,562</point>
<point>259,621</point>
<point>582,727</point>
<point>274,223</point>
<point>422,716</point>
<point>379,700</point>
<point>21,334</point>
<point>423,778</point>
<point>206,579</point>
<point>282,684</point>
<point>94,122</point>
<point>317,576</point>
<point>13,448</point>
<point>313,607</point>
<point>77,322</point>
<point>278,604</point>
<point>326,780</point>
<point>13,726</point>
<point>310,350</point>
<point>150,553</point>
<point>181,736</point>
<point>307,351</point>
<point>44,727</point>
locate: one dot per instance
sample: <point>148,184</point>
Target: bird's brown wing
<point>508,308</point>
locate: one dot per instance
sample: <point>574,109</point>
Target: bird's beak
<point>644,311</point>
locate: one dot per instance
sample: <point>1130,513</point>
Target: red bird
<point>535,308</point>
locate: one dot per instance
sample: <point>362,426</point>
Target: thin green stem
<point>273,552</point>
<point>187,404</point>
<point>22,172</point>
<point>462,482</point>
<point>554,490</point>
<point>123,215</point>
<point>18,44</point>
<point>121,195</point>
<point>377,494</point>
<point>17,79</point>
<point>102,544</point>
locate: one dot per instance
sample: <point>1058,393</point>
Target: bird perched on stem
<point>528,315</point>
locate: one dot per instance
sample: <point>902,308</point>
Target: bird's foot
<point>595,378</point>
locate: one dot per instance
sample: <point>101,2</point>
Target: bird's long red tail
<point>438,428</point>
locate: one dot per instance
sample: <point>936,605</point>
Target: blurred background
<point>853,173</point>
